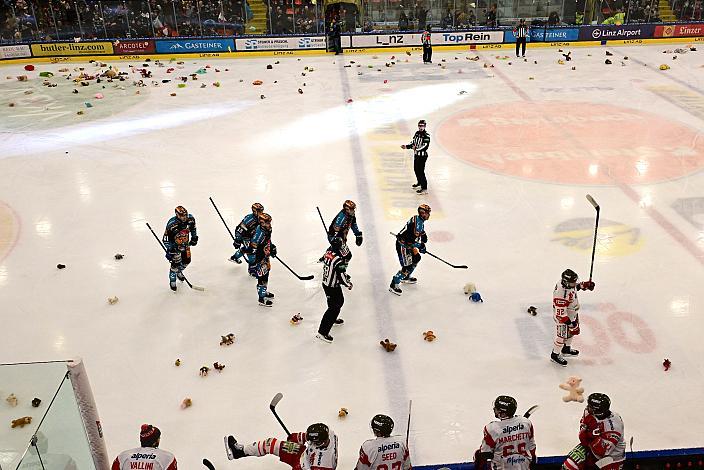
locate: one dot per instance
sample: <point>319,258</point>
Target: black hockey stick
<point>456,266</point>
<point>322,220</point>
<point>272,406</point>
<point>208,464</point>
<point>221,218</point>
<point>596,228</point>
<point>164,248</point>
<point>301,278</point>
<point>408,426</point>
<point>530,411</point>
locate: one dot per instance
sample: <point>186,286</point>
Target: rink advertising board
<point>439,39</point>
<point>284,43</point>
<point>125,47</point>
<point>186,46</point>
<point>63,49</point>
<point>15,52</point>
<point>546,35</point>
<point>613,32</point>
<point>679,30</point>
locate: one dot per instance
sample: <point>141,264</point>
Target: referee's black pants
<point>521,42</point>
<point>427,53</point>
<point>335,302</point>
<point>419,169</point>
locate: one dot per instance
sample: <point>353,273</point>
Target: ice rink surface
<point>515,148</point>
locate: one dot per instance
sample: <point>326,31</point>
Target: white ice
<point>78,189</point>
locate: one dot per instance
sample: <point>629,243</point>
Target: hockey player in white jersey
<point>148,455</point>
<point>509,443</point>
<point>385,452</point>
<point>565,310</point>
<point>601,443</point>
<point>315,449</point>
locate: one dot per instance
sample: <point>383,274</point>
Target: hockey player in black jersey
<point>334,277</point>
<point>245,231</point>
<point>420,144</point>
<point>410,243</point>
<point>180,235</point>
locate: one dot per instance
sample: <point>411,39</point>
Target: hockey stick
<point>164,248</point>
<point>596,228</point>
<point>455,266</point>
<point>322,220</point>
<point>272,406</point>
<point>530,411</point>
<point>301,278</point>
<point>208,464</point>
<point>408,426</point>
<point>221,218</point>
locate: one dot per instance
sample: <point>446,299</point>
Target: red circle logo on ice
<point>573,143</point>
<point>9,230</point>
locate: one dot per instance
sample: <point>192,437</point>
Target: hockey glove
<point>237,243</point>
<point>424,238</point>
<point>403,147</point>
<point>587,285</point>
<point>194,240</point>
<point>358,240</point>
<point>421,248</point>
<point>272,251</point>
<point>175,258</point>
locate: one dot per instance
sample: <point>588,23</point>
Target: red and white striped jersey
<point>384,453</point>
<point>512,441</point>
<point>565,304</point>
<point>603,437</point>
<point>145,458</point>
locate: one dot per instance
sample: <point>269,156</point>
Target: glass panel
<point>26,382</point>
<point>114,17</point>
<point>61,442</point>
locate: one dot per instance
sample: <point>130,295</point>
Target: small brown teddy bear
<point>218,367</point>
<point>186,403</point>
<point>388,345</point>
<point>177,362</point>
<point>575,392</point>
<point>204,371</point>
<point>21,421</point>
<point>429,335</point>
<point>342,413</point>
<point>227,339</point>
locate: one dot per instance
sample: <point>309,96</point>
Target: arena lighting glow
<point>22,143</point>
<point>366,114</point>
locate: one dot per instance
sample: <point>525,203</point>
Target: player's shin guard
<point>172,274</point>
<point>558,345</point>
<point>262,448</point>
<point>261,290</point>
<point>398,276</point>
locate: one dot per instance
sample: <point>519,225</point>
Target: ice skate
<point>395,289</point>
<point>416,185</point>
<point>409,280</point>
<point>568,351</point>
<point>326,338</point>
<point>172,284</point>
<point>269,295</point>
<point>339,321</point>
<point>235,259</point>
<point>265,303</point>
<point>422,191</point>
<point>233,449</point>
<point>558,359</point>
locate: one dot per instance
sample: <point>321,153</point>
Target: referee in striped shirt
<point>521,33</point>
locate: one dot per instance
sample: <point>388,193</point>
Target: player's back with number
<point>512,442</point>
<point>384,453</point>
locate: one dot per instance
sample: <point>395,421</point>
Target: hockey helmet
<point>382,425</point>
<point>257,208</point>
<point>421,123</point>
<point>505,407</point>
<point>181,212</point>
<point>599,405</point>
<point>349,207</point>
<point>265,220</point>
<point>569,278</point>
<point>424,209</point>
<point>317,434</point>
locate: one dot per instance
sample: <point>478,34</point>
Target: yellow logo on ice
<point>614,238</point>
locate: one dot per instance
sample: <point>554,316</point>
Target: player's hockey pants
<point>179,263</point>
<point>335,302</point>
<point>419,169</point>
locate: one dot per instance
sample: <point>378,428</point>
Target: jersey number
<point>508,450</point>
<point>394,466</point>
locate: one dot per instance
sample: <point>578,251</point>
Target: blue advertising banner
<point>611,32</point>
<point>184,46</point>
<point>539,34</point>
